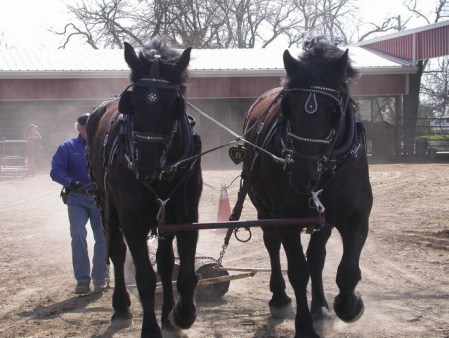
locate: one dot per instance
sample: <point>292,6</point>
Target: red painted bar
<point>242,224</point>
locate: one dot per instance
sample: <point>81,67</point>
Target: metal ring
<point>243,240</point>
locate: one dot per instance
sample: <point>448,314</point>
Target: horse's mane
<point>320,66</point>
<point>158,46</point>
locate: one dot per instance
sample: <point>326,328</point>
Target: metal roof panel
<point>240,62</point>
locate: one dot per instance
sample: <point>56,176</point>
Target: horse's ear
<point>125,104</point>
<point>130,56</point>
<point>343,62</point>
<point>184,60</point>
<point>289,62</point>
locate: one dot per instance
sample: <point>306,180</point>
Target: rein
<point>239,138</point>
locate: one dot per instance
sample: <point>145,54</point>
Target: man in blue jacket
<point>69,168</point>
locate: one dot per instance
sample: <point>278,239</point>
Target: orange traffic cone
<point>224,209</point>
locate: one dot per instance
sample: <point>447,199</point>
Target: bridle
<point>324,160</point>
<point>133,137</point>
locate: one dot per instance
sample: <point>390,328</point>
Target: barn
<point>51,88</point>
<point>413,47</point>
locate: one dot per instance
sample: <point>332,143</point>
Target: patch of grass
<point>437,137</point>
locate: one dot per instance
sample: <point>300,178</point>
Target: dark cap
<point>82,120</point>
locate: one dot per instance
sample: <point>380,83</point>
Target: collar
<point>81,140</point>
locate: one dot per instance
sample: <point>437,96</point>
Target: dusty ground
<point>405,265</point>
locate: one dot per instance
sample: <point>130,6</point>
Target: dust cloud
<point>404,265</point>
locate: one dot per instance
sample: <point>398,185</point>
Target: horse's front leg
<point>145,278</point>
<point>280,303</point>
<point>316,256</point>
<point>121,303</point>
<point>165,263</point>
<point>348,304</point>
<point>298,274</point>
<point>184,312</point>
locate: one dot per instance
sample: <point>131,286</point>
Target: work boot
<point>99,286</point>
<point>82,288</point>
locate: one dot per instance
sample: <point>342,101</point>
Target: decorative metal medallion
<point>311,105</point>
<point>237,154</point>
<point>152,97</point>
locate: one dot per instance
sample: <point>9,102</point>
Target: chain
<point>219,188</point>
<point>205,257</point>
<point>222,253</point>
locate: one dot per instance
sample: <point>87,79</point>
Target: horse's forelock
<point>318,65</point>
<point>157,46</point>
<point>328,55</point>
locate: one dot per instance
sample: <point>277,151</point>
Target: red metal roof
<point>413,45</point>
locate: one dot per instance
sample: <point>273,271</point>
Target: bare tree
<point>195,23</point>
<point>206,23</point>
<point>325,18</point>
<point>101,24</point>
<point>391,24</point>
<point>435,87</point>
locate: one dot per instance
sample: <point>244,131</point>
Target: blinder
<point>125,104</point>
<point>153,83</point>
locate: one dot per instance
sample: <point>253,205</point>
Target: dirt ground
<point>405,265</point>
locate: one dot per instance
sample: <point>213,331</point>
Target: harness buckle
<point>314,202</point>
<point>160,217</point>
<point>287,161</point>
<point>355,151</point>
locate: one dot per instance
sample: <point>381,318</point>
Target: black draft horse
<point>136,146</point>
<point>310,122</point>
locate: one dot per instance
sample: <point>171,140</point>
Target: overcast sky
<point>25,23</point>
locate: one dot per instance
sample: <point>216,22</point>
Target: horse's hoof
<point>282,312</point>
<point>349,310</point>
<point>323,321</point>
<point>121,320</point>
<point>322,313</point>
<point>169,332</point>
<point>308,334</point>
<point>178,322</point>
<point>281,307</point>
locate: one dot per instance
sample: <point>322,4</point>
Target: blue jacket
<point>69,163</point>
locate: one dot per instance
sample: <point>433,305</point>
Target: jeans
<point>81,208</point>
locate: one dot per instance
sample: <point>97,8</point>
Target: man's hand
<point>75,185</point>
